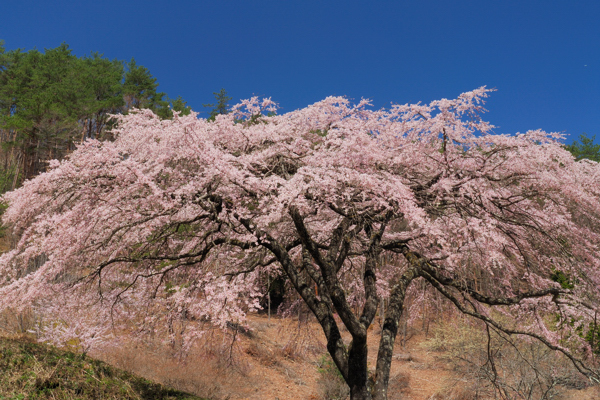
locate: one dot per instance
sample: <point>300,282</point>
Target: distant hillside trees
<point>585,149</point>
<point>53,99</point>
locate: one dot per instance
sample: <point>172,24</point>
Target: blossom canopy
<point>350,204</point>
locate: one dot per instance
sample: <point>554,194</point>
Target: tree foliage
<point>53,99</point>
<point>221,106</point>
<point>42,100</point>
<point>586,149</point>
<point>179,220</point>
<point>180,106</point>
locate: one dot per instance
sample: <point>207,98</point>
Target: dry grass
<point>331,384</point>
<point>30,370</point>
<point>17,323</point>
<point>217,366</point>
<point>398,386</point>
<point>302,341</point>
<point>285,359</point>
<point>213,364</point>
<point>456,393</point>
<point>494,364</point>
<point>263,354</point>
<point>198,371</point>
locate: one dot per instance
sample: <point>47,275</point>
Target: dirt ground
<point>283,359</point>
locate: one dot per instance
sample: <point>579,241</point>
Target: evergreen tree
<point>53,99</point>
<point>585,149</point>
<point>43,98</point>
<point>220,106</point>
<point>104,94</point>
<point>139,88</point>
<point>181,106</point>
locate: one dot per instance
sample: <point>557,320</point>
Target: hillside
<point>285,359</point>
<point>31,370</point>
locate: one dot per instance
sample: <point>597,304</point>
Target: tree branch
<point>446,293</point>
<point>329,274</point>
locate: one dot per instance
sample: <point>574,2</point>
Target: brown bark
<point>389,332</point>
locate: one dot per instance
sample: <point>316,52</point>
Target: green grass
<point>30,370</point>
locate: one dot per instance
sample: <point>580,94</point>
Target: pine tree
<point>585,149</point>
<point>220,107</point>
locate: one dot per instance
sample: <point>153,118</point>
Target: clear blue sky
<point>542,56</point>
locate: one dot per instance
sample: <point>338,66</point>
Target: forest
<point>129,216</point>
<point>52,100</point>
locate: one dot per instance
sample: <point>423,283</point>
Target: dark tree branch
<point>434,270</point>
<point>389,332</point>
<point>307,264</point>
<point>338,297</point>
<point>446,293</point>
<point>195,257</point>
<point>369,279</point>
<point>320,308</point>
<point>336,237</point>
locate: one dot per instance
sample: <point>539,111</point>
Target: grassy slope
<point>29,370</point>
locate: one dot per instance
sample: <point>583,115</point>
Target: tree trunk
<point>357,369</point>
<point>388,334</point>
<point>360,393</point>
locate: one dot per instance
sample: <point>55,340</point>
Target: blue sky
<point>543,57</point>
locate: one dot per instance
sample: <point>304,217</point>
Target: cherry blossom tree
<point>181,218</point>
